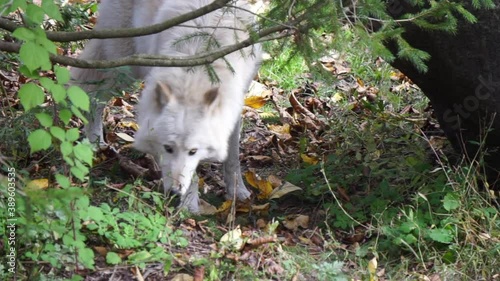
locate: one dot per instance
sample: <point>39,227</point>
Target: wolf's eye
<point>193,151</point>
<point>168,148</point>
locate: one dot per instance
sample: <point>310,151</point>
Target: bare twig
<point>122,32</point>
<point>271,33</point>
<point>157,60</point>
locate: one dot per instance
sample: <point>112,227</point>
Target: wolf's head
<point>180,129</point>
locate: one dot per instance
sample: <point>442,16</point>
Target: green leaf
<point>84,153</point>
<point>407,227</point>
<point>59,94</point>
<point>31,96</point>
<point>83,203</point>
<point>62,74</point>
<point>39,140</point>
<point>65,116</point>
<point>47,83</point>
<point>113,258</point>
<point>63,181</point>
<point>95,214</point>
<point>72,134</point>
<point>34,56</point>
<point>47,44</point>
<point>33,74</point>
<point>51,9</point>
<point>451,201</point>
<point>23,33</point>
<point>66,148</point>
<point>35,13</point>
<point>69,160</point>
<point>79,98</point>
<point>76,278</point>
<point>58,133</point>
<point>441,235</point>
<point>81,166</point>
<point>21,4</point>
<point>78,114</point>
<point>79,174</point>
<point>45,119</point>
<point>139,256</point>
<point>86,256</point>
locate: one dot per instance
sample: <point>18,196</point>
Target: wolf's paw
<point>241,193</point>
<point>191,202</point>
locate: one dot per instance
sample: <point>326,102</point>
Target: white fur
<point>173,110</point>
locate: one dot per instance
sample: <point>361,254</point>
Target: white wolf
<point>184,116</point>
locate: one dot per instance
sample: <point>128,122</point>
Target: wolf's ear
<point>211,96</point>
<point>163,94</point>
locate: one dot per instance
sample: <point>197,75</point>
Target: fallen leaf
<point>264,186</point>
<point>293,222</point>
<point>199,273</point>
<point>39,183</point>
<point>309,159</point>
<point>372,269</point>
<point>130,124</point>
<point>260,159</point>
<point>275,181</point>
<point>233,239</point>
<point>337,97</point>
<point>225,206</point>
<point>206,208</point>
<point>280,129</point>
<point>360,82</point>
<point>283,190</point>
<point>267,115</point>
<point>182,277</point>
<point>260,208</point>
<point>102,251</point>
<point>125,137</point>
<point>256,101</point>
<point>262,240</point>
<point>137,273</point>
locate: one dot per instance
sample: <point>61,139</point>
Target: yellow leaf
<point>309,159</point>
<point>372,269</point>
<point>360,82</point>
<point>130,124</point>
<point>264,186</point>
<point>225,206</point>
<point>233,239</point>
<point>263,207</point>
<point>282,190</point>
<point>337,97</point>
<point>265,189</point>
<point>251,178</point>
<point>39,183</point>
<point>255,101</point>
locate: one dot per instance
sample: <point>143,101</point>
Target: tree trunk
<point>463,83</point>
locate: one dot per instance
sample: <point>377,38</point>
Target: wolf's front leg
<point>191,199</point>
<point>93,129</point>
<point>232,169</point>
